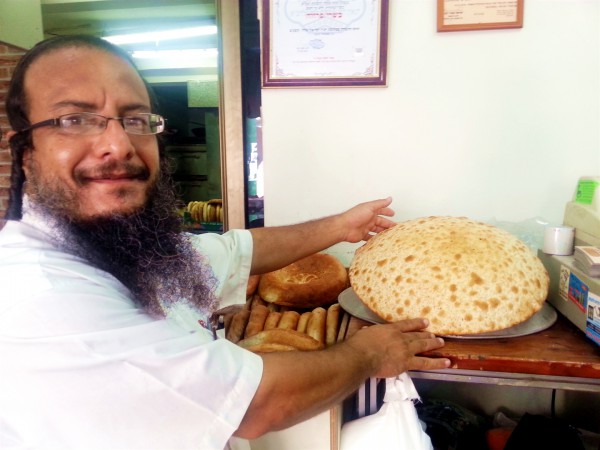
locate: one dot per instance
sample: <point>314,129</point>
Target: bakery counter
<point>560,357</point>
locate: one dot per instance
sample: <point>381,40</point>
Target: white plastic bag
<point>395,426</point>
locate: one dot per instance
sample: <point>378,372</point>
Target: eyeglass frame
<point>56,122</point>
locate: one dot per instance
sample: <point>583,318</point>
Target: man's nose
<point>115,142</point>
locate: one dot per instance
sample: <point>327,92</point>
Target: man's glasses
<point>89,123</point>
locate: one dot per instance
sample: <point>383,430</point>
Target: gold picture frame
<point>465,15</point>
<point>317,44</point>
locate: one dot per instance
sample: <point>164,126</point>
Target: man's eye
<point>82,121</point>
<point>71,121</point>
<point>136,122</point>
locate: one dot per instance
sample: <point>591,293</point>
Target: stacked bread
<point>294,308</point>
<point>206,211</point>
<point>466,277</point>
<point>265,327</point>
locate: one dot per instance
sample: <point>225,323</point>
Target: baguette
<point>316,325</point>
<point>289,320</point>
<point>303,321</point>
<point>252,285</point>
<point>272,320</point>
<point>271,347</point>
<point>280,336</point>
<point>331,328</point>
<point>257,319</point>
<point>256,300</point>
<point>235,331</point>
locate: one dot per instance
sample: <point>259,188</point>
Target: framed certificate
<point>460,15</point>
<point>324,43</point>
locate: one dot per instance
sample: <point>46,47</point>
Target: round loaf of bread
<point>466,277</point>
<point>316,280</point>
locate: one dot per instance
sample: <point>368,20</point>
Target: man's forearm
<point>297,386</point>
<point>276,247</point>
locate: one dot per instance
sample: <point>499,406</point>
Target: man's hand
<point>276,247</point>
<point>365,219</point>
<point>298,385</point>
<point>396,347</point>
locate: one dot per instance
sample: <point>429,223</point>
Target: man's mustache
<point>112,170</point>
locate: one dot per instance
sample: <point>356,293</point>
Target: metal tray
<point>541,320</point>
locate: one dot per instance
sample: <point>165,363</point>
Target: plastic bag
<point>530,231</point>
<point>395,426</point>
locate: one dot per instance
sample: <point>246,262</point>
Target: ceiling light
<point>176,58</point>
<point>162,35</point>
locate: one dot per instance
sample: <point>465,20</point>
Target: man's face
<point>89,175</point>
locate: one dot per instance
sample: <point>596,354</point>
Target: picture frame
<point>324,43</point>
<point>465,15</point>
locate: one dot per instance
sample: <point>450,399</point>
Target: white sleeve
<point>230,256</point>
<point>133,383</point>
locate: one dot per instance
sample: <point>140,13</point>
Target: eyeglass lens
<point>82,123</point>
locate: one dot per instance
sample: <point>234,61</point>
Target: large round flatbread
<point>316,280</point>
<point>466,277</point>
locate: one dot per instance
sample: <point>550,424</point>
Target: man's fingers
<point>411,325</point>
<point>422,345</point>
<point>422,363</point>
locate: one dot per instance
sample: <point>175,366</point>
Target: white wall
<point>486,124</point>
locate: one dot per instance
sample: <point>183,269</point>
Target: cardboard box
<point>574,294</point>
<point>317,433</point>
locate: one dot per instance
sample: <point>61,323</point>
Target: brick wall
<point>9,56</point>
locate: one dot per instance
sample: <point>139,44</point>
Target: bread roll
<point>303,321</point>
<point>234,331</point>
<point>252,285</point>
<point>316,280</point>
<point>332,321</point>
<point>256,321</point>
<point>256,300</point>
<point>466,277</point>
<point>280,336</point>
<point>269,347</point>
<point>289,320</point>
<point>317,324</point>
<point>272,320</point>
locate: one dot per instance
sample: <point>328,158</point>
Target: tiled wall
<point>9,56</point>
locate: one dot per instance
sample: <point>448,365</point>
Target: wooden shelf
<point>559,356</point>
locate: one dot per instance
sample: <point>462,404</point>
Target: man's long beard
<point>145,250</point>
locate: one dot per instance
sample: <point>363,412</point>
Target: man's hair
<point>17,106</point>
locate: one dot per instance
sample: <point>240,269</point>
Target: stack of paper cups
<point>558,240</point>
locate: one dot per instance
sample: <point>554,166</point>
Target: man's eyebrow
<point>136,107</point>
<point>86,106</point>
<point>74,103</point>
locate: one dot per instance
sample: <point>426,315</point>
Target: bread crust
<point>314,281</point>
<point>332,321</point>
<point>289,320</point>
<point>317,325</point>
<point>236,326</point>
<point>466,277</point>
<point>272,320</point>
<point>280,339</point>
<point>252,285</point>
<point>256,320</point>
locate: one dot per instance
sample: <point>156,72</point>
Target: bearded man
<point>94,268</point>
